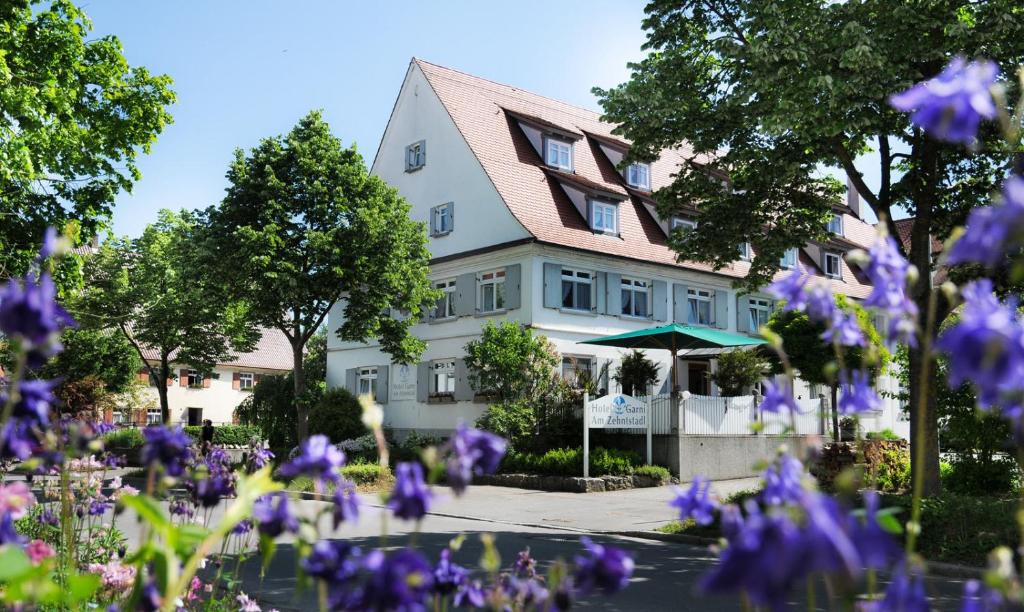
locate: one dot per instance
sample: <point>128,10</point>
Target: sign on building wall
<point>403,383</point>
<point>616,411</point>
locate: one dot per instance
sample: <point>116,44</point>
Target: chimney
<point>852,197</point>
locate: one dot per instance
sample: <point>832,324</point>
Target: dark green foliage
<point>315,361</point>
<point>128,437</point>
<point>569,462</point>
<point>509,362</point>
<point>885,434</point>
<point>271,408</point>
<point>970,475</point>
<point>515,421</point>
<point>103,354</point>
<point>412,447</point>
<point>233,435</point>
<point>636,373</point>
<point>653,471</point>
<point>337,415</point>
<point>738,372</point>
<point>364,473</point>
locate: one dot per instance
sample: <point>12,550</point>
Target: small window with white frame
<point>415,156</point>
<point>700,306</point>
<point>558,153</point>
<point>835,224</point>
<point>443,377</point>
<point>442,219</point>
<point>636,298</point>
<point>639,175</point>
<point>246,381</point>
<point>685,225</point>
<point>758,314</point>
<point>577,369</point>
<point>604,217</point>
<point>154,416</point>
<point>195,379</point>
<point>367,382</point>
<point>492,291</point>
<point>445,308</point>
<point>745,251</point>
<point>788,259</point>
<point>577,289</point>
<point>833,265</point>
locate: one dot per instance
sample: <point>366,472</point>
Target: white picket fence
<point>727,416</point>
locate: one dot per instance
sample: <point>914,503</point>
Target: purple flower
<point>180,507</point>
<point>472,452</point>
<point>979,598</point>
<point>260,458</point>
<point>334,561</point>
<point>986,346</point>
<point>273,516</point>
<point>695,502</point>
<point>856,395</point>
<point>401,580</point>
<point>791,289</point>
<point>778,398</point>
<point>449,577</point>
<point>243,527</point>
<point>843,328</point>
<point>29,313</point>
<point>346,503</point>
<point>951,105</point>
<point>8,535</point>
<point>410,498</point>
<point>317,458</point>
<point>167,447</point>
<point>19,440</point>
<point>876,546</point>
<point>35,397</point>
<point>605,568</point>
<point>821,304</point>
<point>783,481</point>
<point>470,595</point>
<point>210,486</point>
<point>525,566</point>
<point>992,230</point>
<point>906,593</point>
<point>98,506</point>
<point>887,269</point>
<point>830,546</point>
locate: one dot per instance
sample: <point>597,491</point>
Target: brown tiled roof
<point>482,111</point>
<point>904,227</point>
<point>272,352</point>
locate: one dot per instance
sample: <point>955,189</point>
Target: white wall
<point>218,401</point>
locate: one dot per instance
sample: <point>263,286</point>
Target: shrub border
<point>569,484</point>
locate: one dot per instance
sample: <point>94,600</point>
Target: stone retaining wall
<point>571,484</point>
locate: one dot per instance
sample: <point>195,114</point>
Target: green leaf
<point>13,562</point>
<point>887,521</point>
<point>80,587</point>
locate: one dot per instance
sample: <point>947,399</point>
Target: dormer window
<point>746,253</point>
<point>835,224</point>
<point>833,265</point>
<point>639,175</point>
<point>788,259</point>
<point>685,224</point>
<point>558,153</point>
<point>604,217</point>
<point>415,156</point>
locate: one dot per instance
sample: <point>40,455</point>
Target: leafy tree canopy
<point>74,116</point>
<point>509,362</point>
<point>738,371</point>
<point>103,354</point>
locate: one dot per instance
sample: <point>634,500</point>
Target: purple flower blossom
<point>401,580</point>
<point>317,458</point>
<point>856,395</point>
<point>166,447</point>
<point>600,567</point>
<point>525,566</point>
<point>695,502</point>
<point>844,329</point>
<point>8,535</point>
<point>35,397</point>
<point>986,346</point>
<point>410,498</point>
<point>791,289</point>
<point>272,515</point>
<point>470,595</point>
<point>19,440</point>
<point>876,546</point>
<point>993,230</point>
<point>334,561</point>
<point>243,527</point>
<point>783,481</point>
<point>210,486</point>
<point>979,598</point>
<point>472,452</point>
<point>951,105</point>
<point>821,304</point>
<point>778,398</point>
<point>906,593</point>
<point>260,458</point>
<point>30,314</point>
<point>448,576</point>
<point>887,269</point>
<point>346,503</point>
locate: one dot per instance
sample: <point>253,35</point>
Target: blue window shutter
<point>552,285</point>
<point>600,292</point>
<point>422,381</point>
<point>513,286</point>
<point>433,221</point>
<point>381,390</point>
<point>680,306</point>
<point>451,216</point>
<point>350,380</point>
<point>660,299</point>
<point>423,153</point>
<point>463,390</point>
<point>722,309</point>
<point>465,294</point>
<point>743,313</point>
<point>614,305</point>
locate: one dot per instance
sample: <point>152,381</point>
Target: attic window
<point>416,156</point>
<point>746,253</point>
<point>558,153</point>
<point>835,224</point>
<point>788,259</point>
<point>639,175</point>
<point>685,224</point>
<point>604,217</point>
<point>833,267</point>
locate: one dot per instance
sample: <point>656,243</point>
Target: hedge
<point>225,435</point>
<point>569,462</point>
<point>128,437</point>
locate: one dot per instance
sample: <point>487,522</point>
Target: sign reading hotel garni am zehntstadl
<point>616,411</point>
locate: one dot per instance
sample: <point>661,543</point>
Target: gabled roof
<point>904,227</point>
<point>272,352</point>
<point>487,114</point>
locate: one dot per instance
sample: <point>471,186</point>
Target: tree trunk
<point>299,378</point>
<point>836,434</point>
<point>924,429</point>
<point>161,389</point>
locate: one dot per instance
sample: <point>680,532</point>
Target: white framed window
<point>835,224</point>
<point>576,366</point>
<point>492,291</point>
<point>558,153</point>
<point>788,259</point>
<point>639,175</point>
<point>746,253</point>
<point>636,297</point>
<point>415,156</point>
<point>833,265</point>
<point>195,379</point>
<point>367,382</point>
<point>685,224</point>
<point>443,376</point>
<point>604,217</point>
<point>246,381</point>
<point>446,303</point>
<point>118,418</point>
<point>577,289</point>
<point>154,416</point>
<point>700,303</point>
<point>442,219</point>
<point>758,313</point>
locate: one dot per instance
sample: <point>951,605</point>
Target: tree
<point>510,363</point>
<point>154,291</point>
<point>94,366</point>
<point>738,371</point>
<point>74,116</point>
<point>767,93</point>
<point>303,225</point>
<point>636,373</point>
<point>815,359</point>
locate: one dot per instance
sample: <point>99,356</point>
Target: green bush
<point>364,473</point>
<point>893,473</point>
<point>514,421</point>
<point>128,437</point>
<point>412,447</point>
<point>653,471</point>
<point>338,415</point>
<point>968,475</point>
<point>224,435</point>
<point>569,462</point>
<point>885,434</point>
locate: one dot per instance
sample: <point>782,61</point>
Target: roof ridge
<point>594,114</point>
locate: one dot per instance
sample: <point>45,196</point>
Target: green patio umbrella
<point>675,338</point>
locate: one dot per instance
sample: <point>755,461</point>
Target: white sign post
<point>614,412</point>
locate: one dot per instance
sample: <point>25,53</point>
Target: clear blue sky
<point>245,70</point>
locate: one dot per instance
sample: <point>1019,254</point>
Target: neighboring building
<point>530,220</point>
<point>193,397</point>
